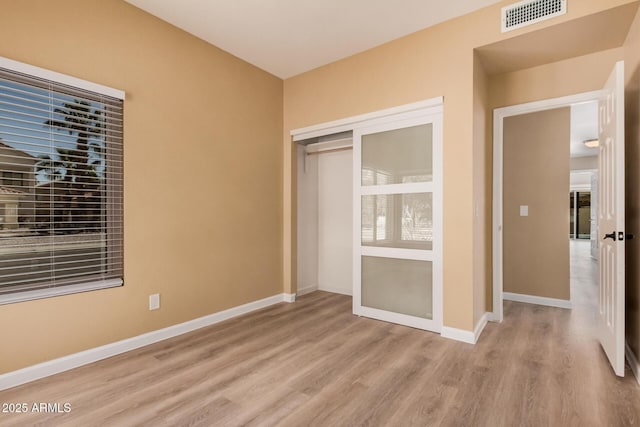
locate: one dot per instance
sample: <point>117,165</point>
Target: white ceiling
<point>584,126</point>
<point>289,37</point>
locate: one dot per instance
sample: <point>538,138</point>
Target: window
<point>12,179</point>
<point>61,184</point>
<point>580,215</point>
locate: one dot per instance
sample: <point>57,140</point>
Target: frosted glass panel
<point>398,220</point>
<point>398,156</point>
<point>398,285</point>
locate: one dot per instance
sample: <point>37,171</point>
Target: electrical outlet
<point>154,302</point>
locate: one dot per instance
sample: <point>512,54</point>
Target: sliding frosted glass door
<point>397,220</point>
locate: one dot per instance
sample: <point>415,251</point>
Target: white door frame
<point>499,114</point>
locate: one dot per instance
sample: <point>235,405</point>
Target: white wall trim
<point>59,290</point>
<point>319,147</point>
<point>533,299</point>
<point>289,297</point>
<point>633,361</point>
<point>579,188</point>
<point>348,123</point>
<point>43,73</point>
<point>334,290</point>
<point>458,335</point>
<point>463,335</point>
<point>307,290</point>
<point>51,367</point>
<point>491,317</point>
<point>480,327</point>
<point>499,114</point>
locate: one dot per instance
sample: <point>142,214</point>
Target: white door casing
<point>611,221</point>
<point>499,115</point>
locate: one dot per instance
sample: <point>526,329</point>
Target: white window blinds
<point>61,181</point>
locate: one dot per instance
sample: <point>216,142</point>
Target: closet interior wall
<point>325,216</point>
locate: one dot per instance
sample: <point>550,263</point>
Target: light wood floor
<point>314,363</point>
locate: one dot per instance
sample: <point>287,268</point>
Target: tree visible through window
<point>75,174</point>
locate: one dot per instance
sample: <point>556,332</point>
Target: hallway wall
<point>536,174</point>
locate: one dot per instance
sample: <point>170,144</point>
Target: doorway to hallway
<point>611,255</point>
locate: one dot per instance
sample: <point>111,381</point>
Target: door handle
<point>611,236</point>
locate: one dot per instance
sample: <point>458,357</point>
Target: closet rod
<point>330,150</point>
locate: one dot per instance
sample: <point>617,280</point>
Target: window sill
<point>58,291</point>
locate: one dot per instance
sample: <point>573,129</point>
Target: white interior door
<point>611,219</point>
<point>398,221</point>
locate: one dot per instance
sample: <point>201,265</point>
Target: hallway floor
<point>584,287</point>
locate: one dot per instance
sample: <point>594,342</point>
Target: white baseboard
<point>335,290</point>
<point>492,317</point>
<point>51,367</point>
<point>532,299</point>
<point>633,361</point>
<point>463,335</point>
<point>458,334</point>
<point>307,290</point>
<point>480,326</point>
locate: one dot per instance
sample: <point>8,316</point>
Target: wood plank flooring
<point>313,363</point>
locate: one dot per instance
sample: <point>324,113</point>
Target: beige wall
<point>571,76</point>
<point>202,128</point>
<point>481,193</point>
<point>536,174</point>
<point>632,137</point>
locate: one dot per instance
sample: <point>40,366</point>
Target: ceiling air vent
<point>529,12</point>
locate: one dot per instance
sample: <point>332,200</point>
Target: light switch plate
<point>524,210</point>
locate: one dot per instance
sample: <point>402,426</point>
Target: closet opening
<point>369,212</point>
<point>325,213</point>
